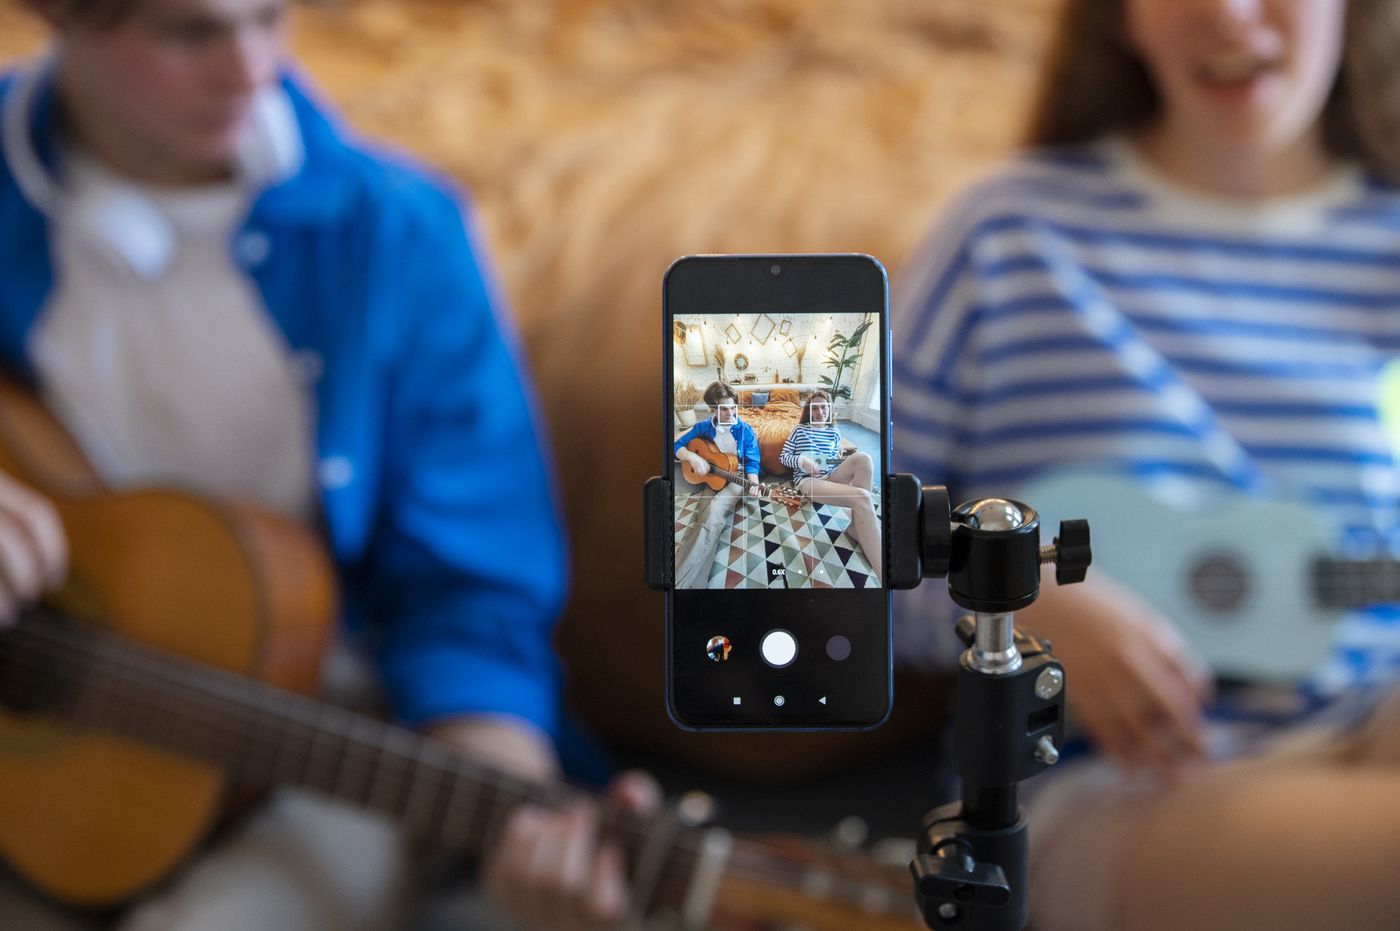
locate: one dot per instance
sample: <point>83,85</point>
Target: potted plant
<point>687,396</point>
<point>843,354</point>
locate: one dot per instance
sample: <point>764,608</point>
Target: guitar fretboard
<point>258,734</point>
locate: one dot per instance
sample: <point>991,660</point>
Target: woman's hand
<point>33,548</point>
<point>809,465</point>
<point>1129,674</point>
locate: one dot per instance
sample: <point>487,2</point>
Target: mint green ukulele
<point>1250,584</point>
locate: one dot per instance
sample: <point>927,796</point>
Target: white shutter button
<point>779,648</point>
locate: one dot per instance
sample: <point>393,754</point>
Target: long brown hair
<point>1093,83</point>
<point>807,407</point>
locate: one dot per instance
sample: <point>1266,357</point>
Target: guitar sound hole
<point>1220,583</point>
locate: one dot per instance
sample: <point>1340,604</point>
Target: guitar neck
<point>730,476</point>
<point>261,735</point>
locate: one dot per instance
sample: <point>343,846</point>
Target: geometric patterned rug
<point>773,546</point>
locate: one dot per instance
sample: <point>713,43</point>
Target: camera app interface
<point>777,455</point>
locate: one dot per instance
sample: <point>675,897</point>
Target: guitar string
<point>758,865</point>
<point>116,683</point>
<point>755,865</point>
<point>332,724</point>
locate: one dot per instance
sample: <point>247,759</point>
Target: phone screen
<point>777,450</point>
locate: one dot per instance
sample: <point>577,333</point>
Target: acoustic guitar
<point>725,468</point>
<point>168,670</point>
<point>1251,585</point>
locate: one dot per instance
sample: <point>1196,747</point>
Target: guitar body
<point>707,449</point>
<point>1234,574</point>
<point>92,819</point>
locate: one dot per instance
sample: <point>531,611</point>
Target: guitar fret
<point>419,805</point>
<point>284,767</point>
<point>503,802</point>
<point>385,794</point>
<point>321,770</point>
<point>357,763</point>
<point>461,809</point>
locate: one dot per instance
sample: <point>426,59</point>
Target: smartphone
<point>777,386</point>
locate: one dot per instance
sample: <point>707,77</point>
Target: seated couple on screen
<point>812,450</point>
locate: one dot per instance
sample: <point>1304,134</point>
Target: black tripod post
<point>1009,720</point>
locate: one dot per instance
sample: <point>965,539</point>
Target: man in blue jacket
<point>214,289</point>
<point>728,433</point>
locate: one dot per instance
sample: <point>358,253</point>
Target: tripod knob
<point>936,544</point>
<point>1069,552</point>
<point>951,874</point>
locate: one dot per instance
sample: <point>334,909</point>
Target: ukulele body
<point>92,819</point>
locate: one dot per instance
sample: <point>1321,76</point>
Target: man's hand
<point>549,869</point>
<point>697,463</point>
<point>33,548</point>
<point>1130,675</point>
<point>552,873</point>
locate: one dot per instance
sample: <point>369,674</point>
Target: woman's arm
<point>789,454</point>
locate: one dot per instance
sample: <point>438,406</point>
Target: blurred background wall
<point>600,140</point>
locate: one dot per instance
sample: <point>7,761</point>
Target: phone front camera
<point>776,269</point>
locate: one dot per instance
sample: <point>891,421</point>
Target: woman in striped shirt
<point>1193,279</point>
<point>813,452</point>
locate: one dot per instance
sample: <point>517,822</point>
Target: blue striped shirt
<point>1077,309</point>
<point>820,444</point>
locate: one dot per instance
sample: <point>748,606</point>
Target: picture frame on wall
<point>785,328</point>
<point>763,328</point>
<point>733,333</point>
<point>695,352</point>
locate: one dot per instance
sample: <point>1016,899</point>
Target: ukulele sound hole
<point>1220,583</point>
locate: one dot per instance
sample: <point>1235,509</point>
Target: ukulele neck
<point>1348,583</point>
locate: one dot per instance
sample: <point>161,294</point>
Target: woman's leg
<point>1304,837</point>
<point>1300,847</point>
<point>857,469</point>
<point>864,527</point>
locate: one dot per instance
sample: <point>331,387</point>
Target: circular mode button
<point>779,648</point>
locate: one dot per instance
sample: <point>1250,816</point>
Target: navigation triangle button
<point>822,699</point>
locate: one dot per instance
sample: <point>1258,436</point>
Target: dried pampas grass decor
<point>600,140</point>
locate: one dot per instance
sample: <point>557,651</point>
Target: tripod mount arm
<point>1009,720</point>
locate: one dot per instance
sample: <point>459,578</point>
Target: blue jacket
<point>438,501</point>
<point>745,441</point>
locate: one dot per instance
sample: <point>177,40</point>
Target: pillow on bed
<point>759,398</point>
<point>745,398</point>
<point>785,394</point>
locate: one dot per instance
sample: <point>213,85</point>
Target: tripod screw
<point>1049,682</point>
<point>948,911</point>
<point>1045,751</point>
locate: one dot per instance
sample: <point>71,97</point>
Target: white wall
<point>770,358</point>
